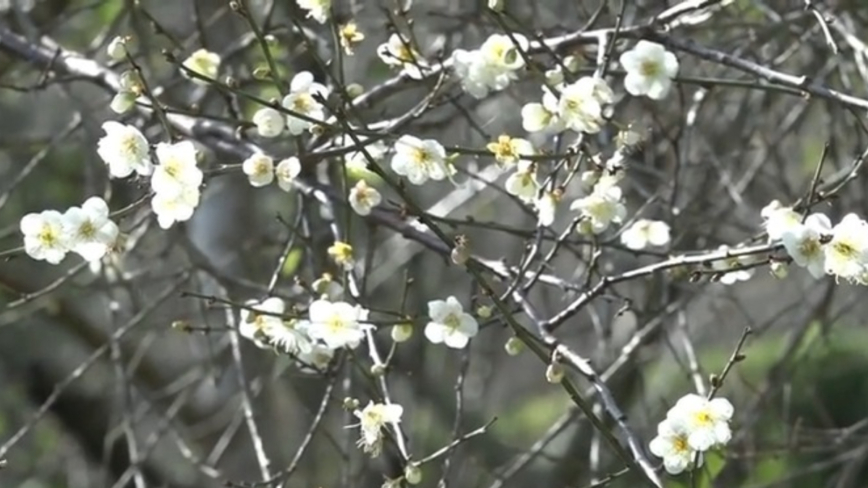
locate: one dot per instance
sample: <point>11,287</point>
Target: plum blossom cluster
<point>329,326</point>
<point>579,107</point>
<point>86,230</point>
<point>815,244</point>
<point>261,171</point>
<point>491,67</point>
<point>692,426</point>
<point>302,101</point>
<point>175,181</point>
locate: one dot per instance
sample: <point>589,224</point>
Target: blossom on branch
<point>450,324</point>
<point>650,69</point>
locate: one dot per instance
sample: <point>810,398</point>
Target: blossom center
<point>703,418</point>
<point>679,444</point>
<point>421,157</point>
<point>649,68</point>
<point>810,247</point>
<point>302,103</point>
<point>48,236</point>
<point>335,324</point>
<point>845,249</point>
<point>87,230</point>
<point>129,146</point>
<point>452,321</point>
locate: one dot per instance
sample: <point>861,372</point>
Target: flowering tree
<point>322,243</point>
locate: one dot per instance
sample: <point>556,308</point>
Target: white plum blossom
<point>546,205</point>
<point>522,183</point>
<point>508,150</point>
<point>600,209</point>
<point>269,122</point>
<point>644,233</point>
<point>204,63</point>
<point>542,117</point>
<point>450,324</point>
<point>372,419</point>
<point>650,69</point>
<point>44,236</point>
<point>363,198</point>
<point>318,10</point>
<point>419,160</point>
<point>177,169</point>
<point>671,444</point>
<point>287,171</point>
<point>89,231</point>
<point>301,100</point>
<point>492,67</point>
<point>732,267</point>
<point>124,149</point>
<point>257,327</point>
<point>177,206</point>
<point>337,324</point>
<point>580,105</point>
<point>259,169</point>
<point>803,243</point>
<point>846,254</point>
<point>705,421</point>
<point>778,219</point>
<point>398,52</point>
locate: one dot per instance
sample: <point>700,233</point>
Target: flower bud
<point>779,270</point>
<point>378,369</point>
<point>355,89</point>
<point>514,346</point>
<point>461,252</point>
<point>261,72</point>
<point>123,102</point>
<point>350,403</point>
<point>402,332</point>
<point>117,49</point>
<point>484,311</point>
<point>496,5</point>
<point>413,474</point>
<point>554,373</point>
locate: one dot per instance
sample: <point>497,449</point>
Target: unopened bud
<point>554,373</point>
<point>350,403</point>
<point>779,270</point>
<point>378,369</point>
<point>413,474</point>
<point>402,332</point>
<point>484,311</point>
<point>261,72</point>
<point>514,346</point>
<point>117,49</point>
<point>460,253</point>
<point>355,89</point>
<point>496,5</point>
<point>123,102</point>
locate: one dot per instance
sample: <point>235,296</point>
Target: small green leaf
<point>293,260</point>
